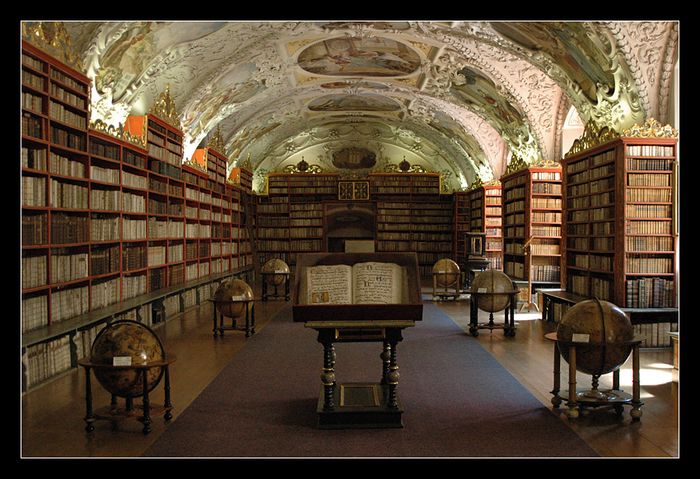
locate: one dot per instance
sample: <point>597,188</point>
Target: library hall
<point>353,240</point>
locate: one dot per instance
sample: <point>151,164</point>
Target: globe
<point>492,281</point>
<point>125,338</point>
<point>450,271</point>
<point>275,265</point>
<point>606,328</point>
<point>229,297</point>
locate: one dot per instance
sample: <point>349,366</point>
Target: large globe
<point>229,298</point>
<point>498,286</point>
<point>606,329</point>
<point>275,265</point>
<point>447,272</point>
<point>135,340</point>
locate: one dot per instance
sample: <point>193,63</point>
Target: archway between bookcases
<point>349,222</point>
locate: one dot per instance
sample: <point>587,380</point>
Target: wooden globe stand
<point>446,291</point>
<point>219,326</point>
<point>508,326</point>
<point>266,294</point>
<point>115,414</point>
<point>583,400</point>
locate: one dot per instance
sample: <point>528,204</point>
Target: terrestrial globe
<point>604,327</point>
<point>275,265</point>
<point>135,340</point>
<point>498,286</point>
<point>230,298</point>
<point>449,270</point>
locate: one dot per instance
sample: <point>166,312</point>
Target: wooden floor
<point>52,414</point>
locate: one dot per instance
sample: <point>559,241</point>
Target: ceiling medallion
<point>52,38</point>
<point>164,108</point>
<point>650,129</point>
<point>592,136</point>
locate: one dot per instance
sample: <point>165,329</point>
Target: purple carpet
<point>458,402</point>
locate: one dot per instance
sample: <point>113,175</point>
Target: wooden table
<point>594,398</point>
<point>360,405</point>
<point>113,413</point>
<point>508,325</point>
<point>218,318</point>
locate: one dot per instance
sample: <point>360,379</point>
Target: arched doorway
<point>349,226</point>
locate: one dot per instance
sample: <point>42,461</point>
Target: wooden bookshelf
<point>532,210</point>
<point>485,215</point>
<point>619,227</point>
<point>462,208</point>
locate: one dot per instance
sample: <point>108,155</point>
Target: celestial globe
<point>493,282</point>
<point>130,339</point>
<point>230,298</point>
<point>448,272</point>
<point>606,331</point>
<point>275,265</point>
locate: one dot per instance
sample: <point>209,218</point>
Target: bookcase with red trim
<point>485,216</point>
<point>620,222</point>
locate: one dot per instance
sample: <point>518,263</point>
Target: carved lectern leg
<point>252,317</point>
<point>89,415</point>
<point>556,400</point>
<point>168,405</point>
<point>473,317</point>
<point>572,412</point>
<point>636,412</point>
<point>146,404</point>
<point>393,375</point>
<point>286,289</point>
<point>264,289</point>
<point>216,326</point>
<point>386,362</point>
<point>328,375</point>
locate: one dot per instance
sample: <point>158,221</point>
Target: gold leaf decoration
<point>650,129</point>
<point>494,182</point>
<point>119,132</point>
<point>303,167</point>
<point>164,108</point>
<point>546,164</point>
<point>477,183</point>
<point>52,38</point>
<point>216,142</point>
<point>246,164</point>
<point>592,136</point>
<point>516,164</point>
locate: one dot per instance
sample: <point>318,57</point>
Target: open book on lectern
<point>363,283</point>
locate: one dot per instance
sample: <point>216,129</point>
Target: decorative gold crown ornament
<point>650,129</point>
<point>52,38</point>
<point>516,164</point>
<point>164,108</point>
<point>216,142</point>
<point>592,136</point>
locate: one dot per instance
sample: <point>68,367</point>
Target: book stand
<point>116,414</point>
<point>359,405</point>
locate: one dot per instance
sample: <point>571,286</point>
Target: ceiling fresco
<point>456,97</point>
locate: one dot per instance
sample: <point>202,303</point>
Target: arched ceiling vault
<point>457,97</point>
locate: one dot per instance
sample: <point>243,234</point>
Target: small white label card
<point>238,298</point>
<point>121,361</point>
<point>481,290</point>
<point>279,271</point>
<point>442,272</point>
<point>580,338</point>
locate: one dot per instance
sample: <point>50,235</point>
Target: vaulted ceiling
<point>458,97</point>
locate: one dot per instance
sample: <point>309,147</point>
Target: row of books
<point>546,188</point>
<point>306,233</point>
<point>134,257</point>
<point>34,158</point>
<point>46,360</point>
<point>32,102</point>
<point>35,81</point>
<point>515,206</point>
<point>648,227</point>
<point>515,193</point>
<point>650,264</point>
<point>539,248</point>
<point>493,244</point>
<point>198,195</point>
<point>649,150</point>
<point>69,195</point>
<point>34,229</point>
<point>655,335</point>
<point>514,269</point>
<point>67,229</point>
<point>132,203</point>
<point>80,86</point>
<point>546,175</point>
<point>656,195</point>
<point>67,303</point>
<point>32,126</point>
<point>133,286</point>
<point>104,150</point>
<point>649,164</point>
<point>68,139</point>
<point>58,112</point>
<point>649,243</point>
<point>68,267</point>
<point>105,229</point>
<point>104,175</point>
<point>650,293</point>
<point>648,179</point>
<point>106,200</point>
<point>603,244</point>
<point>33,191</point>
<point>492,211</point>
<point>648,211</point>
<point>33,271</point>
<point>305,245</point>
<point>105,293</point>
<point>548,203</point>
<point>68,97</point>
<point>545,272</point>
<point>33,62</point>
<point>84,338</point>
<point>156,255</point>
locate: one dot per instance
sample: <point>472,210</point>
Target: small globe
<point>449,272</point>
<point>606,326</point>
<point>492,281</point>
<point>229,297</point>
<point>132,339</point>
<point>275,265</point>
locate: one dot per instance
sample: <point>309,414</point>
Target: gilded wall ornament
<point>303,167</point>
<point>516,164</point>
<point>164,108</point>
<point>592,136</point>
<point>216,142</point>
<point>119,132</point>
<point>52,38</point>
<point>650,129</point>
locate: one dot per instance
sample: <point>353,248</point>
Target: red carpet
<point>458,402</point>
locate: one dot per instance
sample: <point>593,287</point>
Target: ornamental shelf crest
<point>592,136</point>
<point>119,132</point>
<point>216,142</point>
<point>164,108</point>
<point>516,164</point>
<point>650,129</point>
<point>52,38</point>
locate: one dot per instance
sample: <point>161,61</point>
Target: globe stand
<point>113,413</point>
<point>508,325</point>
<point>581,401</point>
<point>219,327</point>
<point>267,278</point>
<point>441,289</point>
